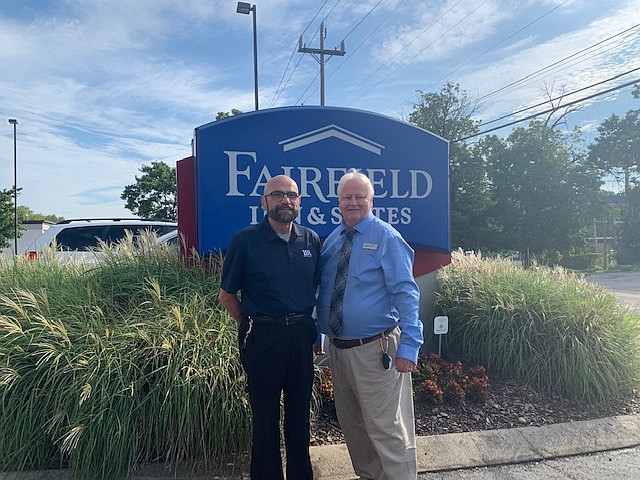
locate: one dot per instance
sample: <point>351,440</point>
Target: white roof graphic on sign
<point>328,132</point>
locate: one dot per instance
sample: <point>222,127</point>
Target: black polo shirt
<point>274,277</point>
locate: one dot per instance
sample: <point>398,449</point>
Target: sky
<point>103,87</point>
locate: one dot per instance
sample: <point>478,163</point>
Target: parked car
<point>170,238</point>
<point>78,238</point>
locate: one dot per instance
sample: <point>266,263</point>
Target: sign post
<point>440,327</point>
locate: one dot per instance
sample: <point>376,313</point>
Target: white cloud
<point>586,69</point>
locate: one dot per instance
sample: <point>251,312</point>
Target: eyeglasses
<point>278,196</point>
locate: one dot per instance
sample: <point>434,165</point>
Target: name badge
<point>370,246</point>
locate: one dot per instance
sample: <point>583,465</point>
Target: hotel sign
<point>236,157</point>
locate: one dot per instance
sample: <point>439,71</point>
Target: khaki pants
<point>375,411</point>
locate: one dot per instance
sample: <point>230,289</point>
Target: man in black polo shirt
<point>276,267</point>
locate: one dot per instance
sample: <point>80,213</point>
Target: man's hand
<point>318,347</point>
<point>404,365</point>
<point>231,302</point>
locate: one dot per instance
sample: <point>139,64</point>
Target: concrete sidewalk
<point>441,452</point>
<point>496,447</point>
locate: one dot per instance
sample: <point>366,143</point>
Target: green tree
<point>544,193</point>
<point>482,218</point>
<point>616,150</point>
<point>153,196</point>
<point>448,114</point>
<point>25,213</point>
<point>223,115</point>
<point>629,230</point>
<point>6,217</point>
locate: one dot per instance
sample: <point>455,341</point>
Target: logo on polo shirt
<point>306,253</point>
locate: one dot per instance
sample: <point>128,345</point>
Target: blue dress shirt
<point>380,290</point>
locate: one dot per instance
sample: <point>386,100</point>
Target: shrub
<point>448,382</point>
<point>127,361</point>
<point>540,326</point>
<point>478,386</point>
<point>584,261</point>
<point>323,383</point>
<point>434,379</point>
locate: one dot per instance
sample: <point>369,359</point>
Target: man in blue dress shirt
<point>375,337</point>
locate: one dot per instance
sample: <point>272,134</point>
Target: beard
<point>283,213</point>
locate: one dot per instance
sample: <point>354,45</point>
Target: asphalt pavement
<point>625,286</point>
<point>609,465</point>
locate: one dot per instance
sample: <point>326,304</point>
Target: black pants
<point>279,359</point>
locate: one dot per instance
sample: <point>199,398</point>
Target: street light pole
<point>14,122</point>
<point>255,56</point>
<point>245,8</point>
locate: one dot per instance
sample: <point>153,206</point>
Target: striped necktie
<point>335,309</point>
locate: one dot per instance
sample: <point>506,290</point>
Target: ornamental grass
<point>542,327</point>
<point>129,360</point>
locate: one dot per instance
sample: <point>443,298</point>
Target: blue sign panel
<point>236,157</point>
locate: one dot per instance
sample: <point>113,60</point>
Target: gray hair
<point>355,174</point>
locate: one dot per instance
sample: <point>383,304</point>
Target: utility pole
<point>319,53</point>
<point>14,122</point>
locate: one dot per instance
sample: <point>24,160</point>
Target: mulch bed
<point>508,406</point>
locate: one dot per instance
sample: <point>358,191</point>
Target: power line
<point>555,64</point>
<point>562,96</point>
<point>621,45</point>
<point>300,101</point>
<point>330,11</point>
<point>314,17</point>
<point>319,55</point>
<point>368,36</point>
<point>481,54</point>
<point>547,111</point>
<point>399,51</point>
<point>296,49</point>
<point>576,54</point>
<point>499,43</point>
<point>276,95</point>
<point>414,56</point>
<point>360,45</point>
<point>569,66</point>
<point>308,87</point>
<point>362,20</point>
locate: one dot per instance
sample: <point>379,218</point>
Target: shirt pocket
<point>366,266</point>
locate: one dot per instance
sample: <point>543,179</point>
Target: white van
<point>78,237</point>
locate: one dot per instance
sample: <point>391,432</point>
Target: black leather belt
<point>288,319</point>
<point>356,342</point>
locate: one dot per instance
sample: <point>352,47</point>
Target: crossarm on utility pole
<point>321,52</point>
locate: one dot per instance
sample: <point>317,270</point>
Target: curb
<point>436,453</point>
<point>497,447</point>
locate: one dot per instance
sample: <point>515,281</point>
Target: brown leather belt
<point>356,342</point>
<point>288,319</point>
